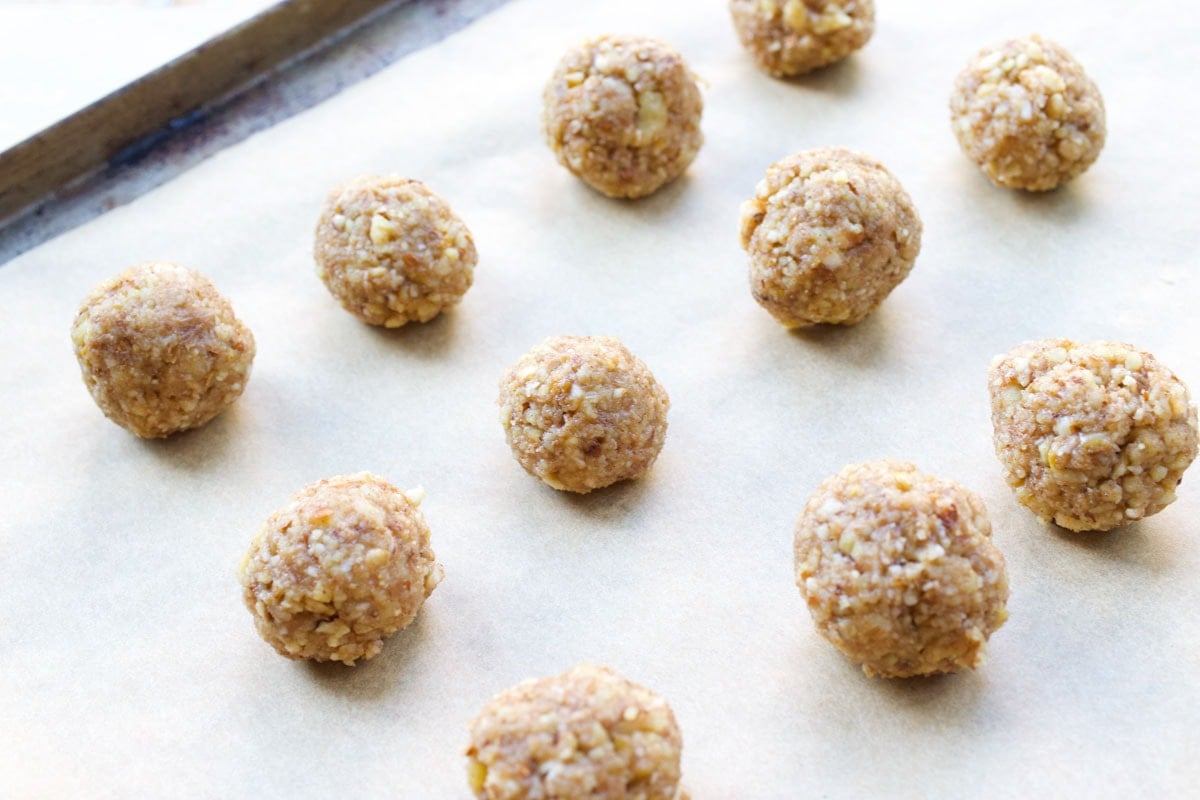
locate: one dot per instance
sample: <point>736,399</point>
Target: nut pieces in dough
<point>830,233</point>
<point>585,734</point>
<point>342,566</point>
<point>623,114</point>
<point>1027,114</point>
<point>391,251</point>
<point>582,412</point>
<point>793,37</point>
<point>160,349</point>
<point>1091,436</point>
<point>899,570</point>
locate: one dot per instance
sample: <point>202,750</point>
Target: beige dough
<point>160,349</point>
<point>1091,436</point>
<point>391,251</point>
<point>830,233</point>
<point>899,570</point>
<point>582,412</point>
<point>587,734</point>
<point>623,114</point>
<point>342,566</point>
<point>1027,114</point>
<point>793,37</point>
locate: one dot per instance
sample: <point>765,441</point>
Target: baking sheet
<point>129,666</point>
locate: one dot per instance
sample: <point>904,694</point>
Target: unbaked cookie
<point>585,734</point>
<point>830,233</point>
<point>160,349</point>
<point>343,565</point>
<point>1091,436</point>
<point>391,251</point>
<point>793,37</point>
<point>582,412</point>
<point>623,114</point>
<point>1027,114</point>
<point>899,570</point>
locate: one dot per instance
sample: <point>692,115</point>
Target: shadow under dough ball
<point>391,251</point>
<point>1091,436</point>
<point>1028,115</point>
<point>622,113</point>
<point>830,233</point>
<point>344,564</point>
<point>793,37</point>
<point>899,570</point>
<point>587,733</point>
<point>582,412</point>
<point>160,349</point>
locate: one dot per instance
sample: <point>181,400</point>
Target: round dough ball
<point>1028,114</point>
<point>830,233</point>
<point>899,570</point>
<point>582,412</point>
<point>623,114</point>
<point>342,566</point>
<point>1091,436</point>
<point>587,733</point>
<point>160,349</point>
<point>792,37</point>
<point>391,251</point>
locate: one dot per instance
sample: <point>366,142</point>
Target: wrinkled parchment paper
<point>128,666</point>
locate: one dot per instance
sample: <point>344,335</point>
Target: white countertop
<point>58,56</point>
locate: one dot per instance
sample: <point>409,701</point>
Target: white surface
<point>56,58</point>
<point>128,665</point>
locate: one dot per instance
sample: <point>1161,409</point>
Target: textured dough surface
<point>793,37</point>
<point>623,114</point>
<point>582,412</point>
<point>830,233</point>
<point>587,733</point>
<point>343,565</point>
<point>160,349</point>
<point>1091,436</point>
<point>392,251</point>
<point>899,570</point>
<point>1027,113</point>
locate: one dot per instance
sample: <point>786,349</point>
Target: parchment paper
<point>128,666</point>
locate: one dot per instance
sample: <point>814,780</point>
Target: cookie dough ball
<point>1028,114</point>
<point>160,349</point>
<point>899,570</point>
<point>830,233</point>
<point>623,114</point>
<point>391,251</point>
<point>342,566</point>
<point>582,412</point>
<point>1091,436</point>
<point>792,37</point>
<point>587,733</point>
